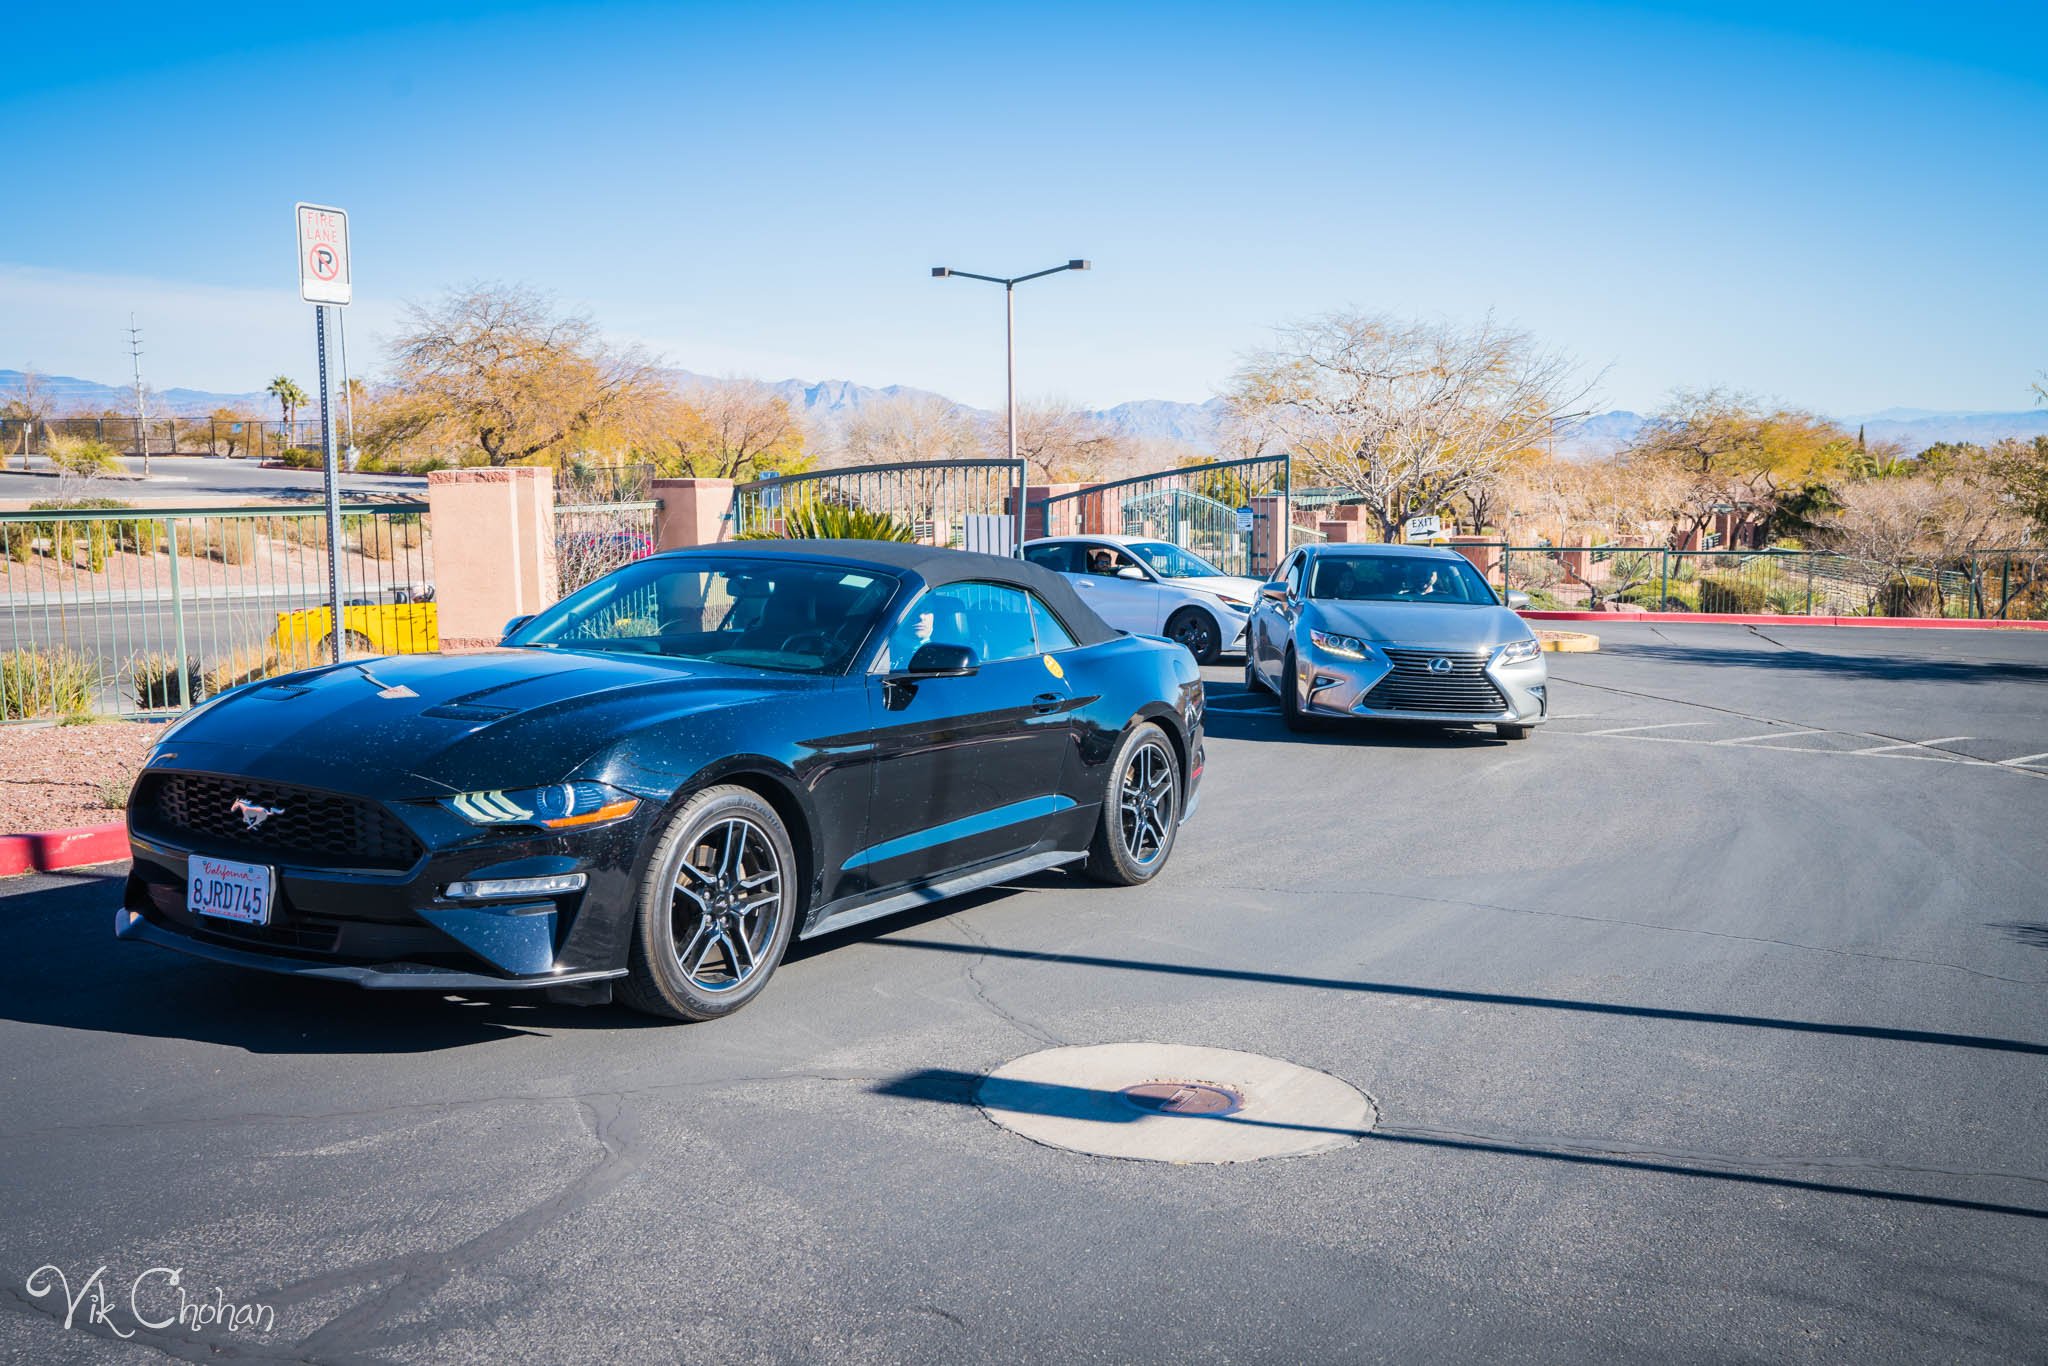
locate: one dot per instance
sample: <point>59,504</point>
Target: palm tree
<point>289,397</point>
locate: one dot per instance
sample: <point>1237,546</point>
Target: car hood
<point>420,725</point>
<point>1443,626</point>
<point>1244,590</point>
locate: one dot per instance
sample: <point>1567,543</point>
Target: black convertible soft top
<point>934,566</point>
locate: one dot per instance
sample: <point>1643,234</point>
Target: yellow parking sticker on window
<point>1052,666</point>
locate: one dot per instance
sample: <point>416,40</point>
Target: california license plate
<point>227,890</point>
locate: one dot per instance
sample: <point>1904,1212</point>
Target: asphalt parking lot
<point>1705,1026</point>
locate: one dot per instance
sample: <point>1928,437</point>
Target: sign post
<point>323,281</point>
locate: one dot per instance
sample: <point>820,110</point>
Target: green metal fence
<point>2001,585</point>
<point>1233,513</point>
<point>119,611</point>
<point>965,504</point>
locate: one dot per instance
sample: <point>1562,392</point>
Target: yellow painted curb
<point>1569,642</point>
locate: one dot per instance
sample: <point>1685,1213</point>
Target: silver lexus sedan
<point>1397,633</point>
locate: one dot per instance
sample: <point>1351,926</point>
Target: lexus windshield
<point>1397,578</point>
<point>764,614</point>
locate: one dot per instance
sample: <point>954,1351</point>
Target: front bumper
<point>1399,687</point>
<point>395,928</point>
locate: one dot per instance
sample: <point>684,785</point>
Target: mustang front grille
<point>325,829</point>
<point>1412,685</point>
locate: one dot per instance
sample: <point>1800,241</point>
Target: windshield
<point>1397,578</point>
<point>763,613</point>
<point>1169,561</point>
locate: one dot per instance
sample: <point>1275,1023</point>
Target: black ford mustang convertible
<point>661,779</point>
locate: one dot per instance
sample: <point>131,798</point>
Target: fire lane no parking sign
<point>323,255</point>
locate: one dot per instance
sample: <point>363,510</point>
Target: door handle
<point>1047,702</point>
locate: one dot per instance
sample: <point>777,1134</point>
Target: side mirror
<point>1517,600</point>
<point>1275,591</point>
<point>514,625</point>
<point>1131,571</point>
<point>934,660</point>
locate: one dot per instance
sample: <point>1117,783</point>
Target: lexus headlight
<point>564,806</point>
<point>1520,652</point>
<point>1351,647</point>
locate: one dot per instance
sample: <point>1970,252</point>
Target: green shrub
<point>1905,596</point>
<point>82,456</point>
<point>1790,599</point>
<point>830,522</point>
<point>156,682</point>
<point>300,458</point>
<point>46,683</point>
<point>1730,593</point>
<point>1654,596</point>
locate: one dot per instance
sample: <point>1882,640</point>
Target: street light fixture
<point>1009,284</point>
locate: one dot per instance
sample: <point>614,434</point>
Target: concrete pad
<point>1160,1102</point>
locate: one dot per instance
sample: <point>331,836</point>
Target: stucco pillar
<point>1035,515</point>
<point>693,512</point>
<point>494,549</point>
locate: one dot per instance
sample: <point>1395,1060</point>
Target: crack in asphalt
<point>1643,925</point>
<point>980,988</point>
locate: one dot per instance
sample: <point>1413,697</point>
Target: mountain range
<point>829,403</point>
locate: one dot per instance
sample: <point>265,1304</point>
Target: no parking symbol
<point>323,255</point>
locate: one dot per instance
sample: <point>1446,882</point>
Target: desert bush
<point>1789,599</point>
<point>231,540</point>
<point>156,681</point>
<point>1730,593</point>
<point>82,456</point>
<point>46,683</point>
<point>1677,596</point>
<point>1905,595</point>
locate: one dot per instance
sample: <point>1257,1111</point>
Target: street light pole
<point>1009,284</point>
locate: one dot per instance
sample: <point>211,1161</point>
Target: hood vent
<point>469,711</point>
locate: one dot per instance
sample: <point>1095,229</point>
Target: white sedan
<point>1154,588</point>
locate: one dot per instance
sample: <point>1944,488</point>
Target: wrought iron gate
<point>1232,513</point>
<point>964,504</point>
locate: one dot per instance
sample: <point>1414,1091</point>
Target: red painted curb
<point>46,851</point>
<point>1768,619</point>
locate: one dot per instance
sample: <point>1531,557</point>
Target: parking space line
<point>1914,744</point>
<point>1769,735</point>
<point>2023,761</point>
<point>1661,725</point>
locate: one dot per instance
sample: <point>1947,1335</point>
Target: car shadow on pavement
<point>1237,713</point>
<point>1490,998</point>
<point>60,965</point>
<point>947,1086</point>
<point>2030,932</point>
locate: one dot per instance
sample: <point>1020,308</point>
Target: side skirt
<point>924,894</point>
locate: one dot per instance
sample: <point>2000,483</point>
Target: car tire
<point>1254,681</point>
<point>1507,732</point>
<point>1140,810</point>
<point>1196,630</point>
<point>723,846</point>
<point>1298,721</point>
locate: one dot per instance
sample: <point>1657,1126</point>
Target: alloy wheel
<point>1197,633</point>
<point>1145,802</point>
<point>728,900</point>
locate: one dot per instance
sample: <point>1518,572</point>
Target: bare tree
<point>907,428</point>
<point>1919,527</point>
<point>496,369</point>
<point>1714,451</point>
<point>730,429</point>
<point>30,405</point>
<point>1058,441</point>
<point>1406,416</point>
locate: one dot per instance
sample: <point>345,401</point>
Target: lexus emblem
<point>253,814</point>
<point>1439,665</point>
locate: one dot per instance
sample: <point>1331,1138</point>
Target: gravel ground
<point>54,773</point>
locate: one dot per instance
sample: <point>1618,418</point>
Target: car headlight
<point>562,806</point>
<point>1351,647</point>
<point>1235,604</point>
<point>1519,652</point>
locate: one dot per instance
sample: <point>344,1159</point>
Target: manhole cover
<point>1183,1098</point>
<point>1174,1103</point>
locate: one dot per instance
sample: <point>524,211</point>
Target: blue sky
<point>1842,206</point>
